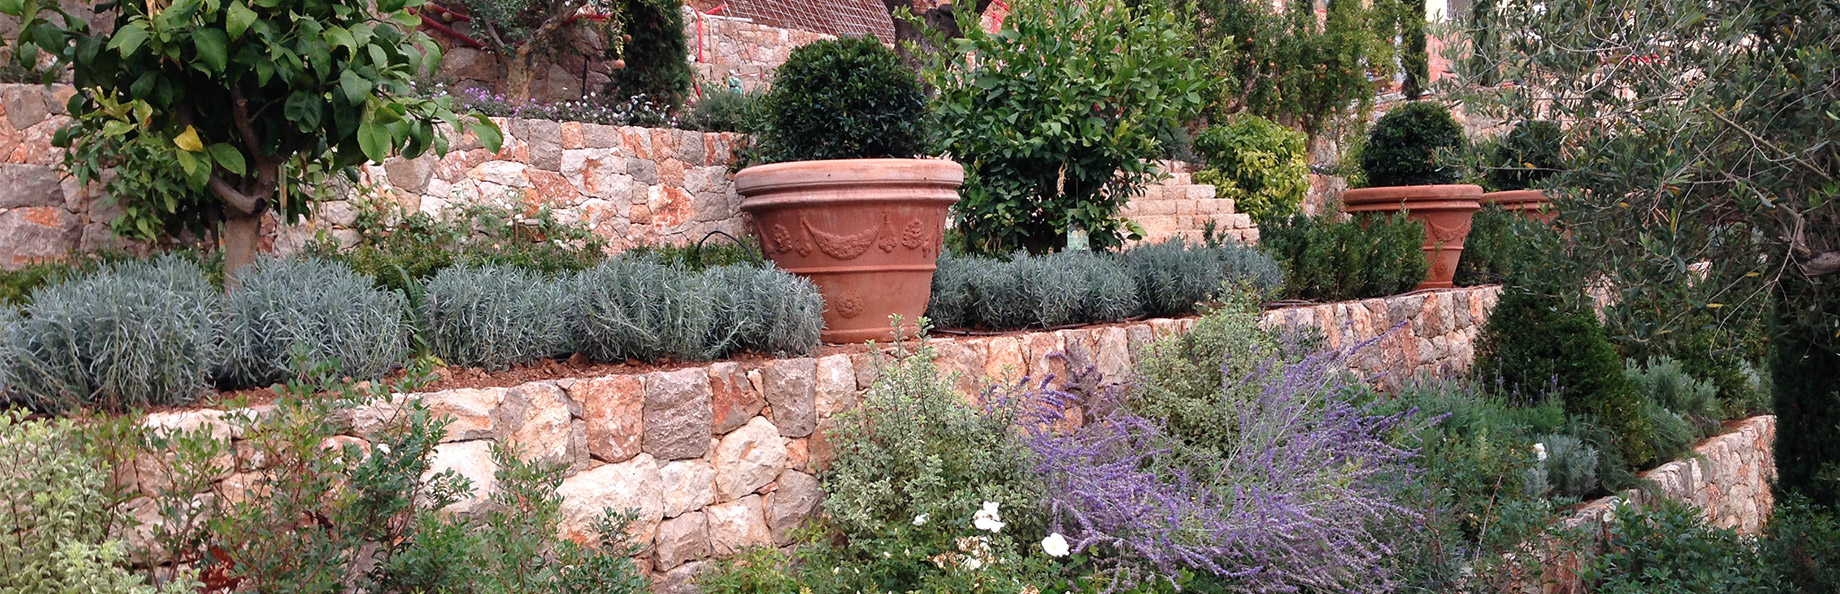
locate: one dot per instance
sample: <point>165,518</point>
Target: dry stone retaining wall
<point>723,456</point>
<point>1728,479</point>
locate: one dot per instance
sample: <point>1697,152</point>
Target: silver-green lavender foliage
<point>1248,268</point>
<point>130,334</point>
<point>495,317</point>
<point>634,308</point>
<point>1173,277</point>
<point>764,309</point>
<point>950,304</point>
<point>1665,382</point>
<point>55,515</point>
<point>1058,289</point>
<point>293,314</point>
<point>1569,470</point>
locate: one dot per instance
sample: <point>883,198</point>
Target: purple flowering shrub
<point>1288,502</point>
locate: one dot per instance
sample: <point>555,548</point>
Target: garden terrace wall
<point>723,456</point>
<point>1728,478</point>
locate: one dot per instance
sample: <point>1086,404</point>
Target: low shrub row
<point>1328,259</point>
<point>1072,287</point>
<point>157,333</point>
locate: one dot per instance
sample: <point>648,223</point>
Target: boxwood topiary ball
<point>1402,149</point>
<point>844,99</point>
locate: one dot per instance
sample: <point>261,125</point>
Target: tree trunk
<point>909,36</point>
<point>242,241</point>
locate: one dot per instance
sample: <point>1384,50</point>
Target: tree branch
<point>239,201</point>
<point>239,114</point>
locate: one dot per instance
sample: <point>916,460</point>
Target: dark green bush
<point>1259,164</point>
<point>1533,343</point>
<point>292,314</point>
<point>1329,260</point>
<point>1058,289</point>
<point>1802,542</point>
<point>846,98</point>
<point>1501,245</point>
<point>1526,156</point>
<point>725,111</point>
<point>1403,147</point>
<point>127,335</point>
<point>765,310</point>
<point>1180,377</point>
<point>654,53</point>
<point>495,317</point>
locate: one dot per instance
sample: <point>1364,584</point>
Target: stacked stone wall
<point>725,456</point>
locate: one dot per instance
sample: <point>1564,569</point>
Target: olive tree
<point>1700,185</point>
<point>217,108</point>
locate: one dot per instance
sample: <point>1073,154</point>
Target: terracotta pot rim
<point>1412,193</point>
<point>1513,197</point>
<point>849,172</point>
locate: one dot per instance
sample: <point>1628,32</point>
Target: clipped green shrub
<point>1533,343</point>
<point>1501,246</point>
<point>56,513</point>
<point>1172,278</point>
<point>1257,163</point>
<point>764,309</point>
<point>1403,146</point>
<point>725,111</point>
<point>1665,382</point>
<point>1568,466</point>
<point>495,317</point>
<point>1526,156</point>
<point>400,250</point>
<point>1325,259</point>
<point>291,314</point>
<point>704,255</point>
<point>1058,289</point>
<point>847,98</point>
<point>128,335</point>
<point>633,308</point>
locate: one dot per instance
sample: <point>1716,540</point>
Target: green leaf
<point>303,109</point>
<point>374,139</point>
<point>339,37</point>
<point>356,87</point>
<point>488,133</point>
<point>238,19</point>
<point>129,38</point>
<point>228,158</point>
<point>213,49</point>
<point>17,7</point>
<point>187,162</point>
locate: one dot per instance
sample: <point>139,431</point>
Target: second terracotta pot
<point>866,231</point>
<point>1529,203</point>
<point>1444,210</point>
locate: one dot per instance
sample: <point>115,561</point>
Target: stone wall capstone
<point>724,456</point>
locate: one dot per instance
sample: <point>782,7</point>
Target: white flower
<point>1539,451</point>
<point>987,520</point>
<point>383,447</point>
<point>1055,545</point>
<point>973,564</point>
<point>920,520</point>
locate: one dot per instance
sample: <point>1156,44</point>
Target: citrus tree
<point>212,110</point>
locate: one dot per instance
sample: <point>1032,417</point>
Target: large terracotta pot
<point>1444,210</point>
<point>866,231</point>
<point>1530,203</point>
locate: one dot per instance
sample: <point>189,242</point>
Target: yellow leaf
<point>1752,274</point>
<point>1714,305</point>
<point>188,140</point>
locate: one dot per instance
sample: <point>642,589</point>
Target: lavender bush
<point>1288,504</point>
